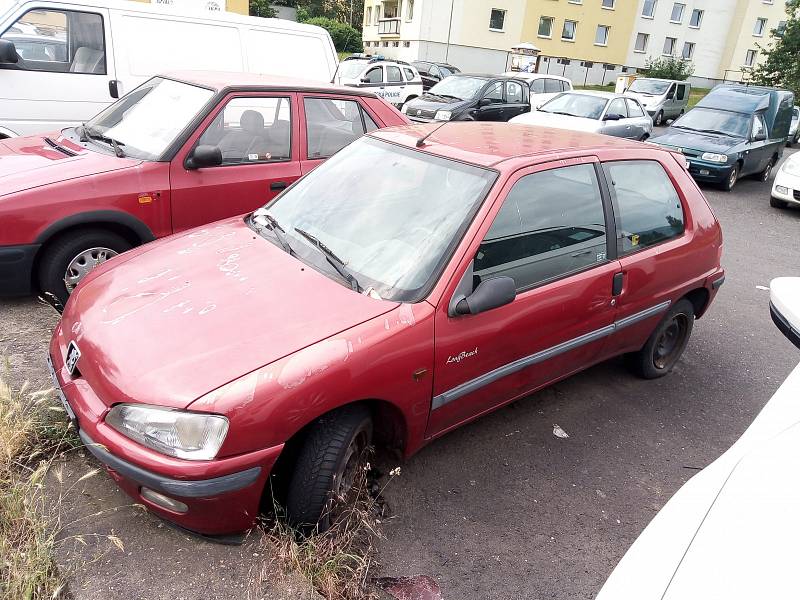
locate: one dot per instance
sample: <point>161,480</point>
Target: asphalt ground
<point>501,508</point>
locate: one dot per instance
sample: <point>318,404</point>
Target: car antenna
<point>421,140</point>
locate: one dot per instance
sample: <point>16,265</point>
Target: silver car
<point>596,112</point>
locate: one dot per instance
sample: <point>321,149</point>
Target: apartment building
<point>719,37</point>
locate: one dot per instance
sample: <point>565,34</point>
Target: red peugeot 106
<point>417,280</point>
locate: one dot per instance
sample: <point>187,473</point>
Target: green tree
<point>781,64</point>
<point>668,68</point>
<point>261,8</point>
<point>345,38</point>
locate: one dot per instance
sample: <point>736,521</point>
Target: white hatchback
<point>786,188</point>
<point>394,81</point>
<point>544,87</point>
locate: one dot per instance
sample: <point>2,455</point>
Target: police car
<point>393,80</point>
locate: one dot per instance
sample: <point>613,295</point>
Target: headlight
<point>791,167</point>
<point>717,158</point>
<point>443,115</point>
<point>189,435</point>
<point>404,110</point>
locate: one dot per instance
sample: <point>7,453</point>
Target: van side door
<point>65,69</point>
<point>257,135</point>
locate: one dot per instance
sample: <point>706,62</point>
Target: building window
<point>497,19</point>
<point>608,3</point>
<point>377,14</point>
<point>609,67</point>
<point>760,27</point>
<point>781,28</point>
<point>750,58</point>
<point>601,35</point>
<point>587,65</point>
<point>546,27</point>
<point>406,44</point>
<point>410,11</point>
<point>385,44</point>
<point>649,8</point>
<point>641,42</point>
<point>677,13</point>
<point>569,31</point>
<point>564,61</point>
<point>368,16</point>
<point>669,46</point>
<point>395,44</point>
<point>696,18</point>
<point>688,51</point>
<point>575,1</point>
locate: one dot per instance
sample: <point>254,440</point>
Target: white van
<point>62,62</point>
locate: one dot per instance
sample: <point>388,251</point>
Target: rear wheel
<point>328,465</point>
<point>764,175</point>
<point>68,259</point>
<point>666,344</point>
<point>776,203</point>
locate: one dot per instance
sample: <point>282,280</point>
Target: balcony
<point>389,27</point>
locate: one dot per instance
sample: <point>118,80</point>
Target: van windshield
<point>649,87</point>
<point>709,120</point>
<point>145,122</point>
<point>365,209</point>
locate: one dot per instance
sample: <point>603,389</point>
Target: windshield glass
<point>576,105</point>
<point>649,86</point>
<point>146,121</point>
<point>364,204</point>
<point>459,87</point>
<point>715,121</point>
<point>351,69</point>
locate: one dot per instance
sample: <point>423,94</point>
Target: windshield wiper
<point>715,131</point>
<point>449,96</point>
<point>118,152</point>
<point>336,262</point>
<point>559,112</point>
<point>274,227</point>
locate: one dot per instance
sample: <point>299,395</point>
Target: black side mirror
<point>612,117</point>
<point>760,137</point>
<point>8,52</point>
<point>204,156</point>
<point>490,293</point>
<point>365,80</point>
<point>484,102</point>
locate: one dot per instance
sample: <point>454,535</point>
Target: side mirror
<point>484,102</point>
<point>760,137</point>
<point>612,117</point>
<point>365,80</point>
<point>490,293</point>
<point>8,52</point>
<point>204,156</point>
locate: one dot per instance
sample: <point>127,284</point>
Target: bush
<point>345,38</point>
<point>668,68</point>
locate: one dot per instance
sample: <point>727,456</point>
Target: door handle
<point>113,88</point>
<point>616,285</point>
<point>277,185</point>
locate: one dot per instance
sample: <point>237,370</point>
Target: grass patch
<point>32,431</point>
<point>339,562</point>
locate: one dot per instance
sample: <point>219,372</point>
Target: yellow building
<point>237,6</point>
<point>588,30</point>
<point>753,23</point>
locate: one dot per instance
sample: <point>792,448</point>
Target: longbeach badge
<point>462,356</point>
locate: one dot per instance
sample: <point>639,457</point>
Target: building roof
<point>488,143</point>
<point>228,80</point>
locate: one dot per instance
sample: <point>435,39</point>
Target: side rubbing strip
<point>475,384</point>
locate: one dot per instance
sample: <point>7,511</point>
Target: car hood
<point>731,530</point>
<point>645,99</point>
<point>702,142</point>
<point>545,119</point>
<point>30,162</point>
<point>433,102</point>
<point>199,310</point>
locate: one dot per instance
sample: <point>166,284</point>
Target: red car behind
<point>177,152</point>
<point>415,281</point>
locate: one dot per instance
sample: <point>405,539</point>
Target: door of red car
<point>549,235</point>
<point>331,123</point>
<point>654,247</point>
<point>258,137</point>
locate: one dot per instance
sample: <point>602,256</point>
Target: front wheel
<point>666,344</point>
<point>730,182</point>
<point>328,466</point>
<point>68,259</point>
<point>659,120</point>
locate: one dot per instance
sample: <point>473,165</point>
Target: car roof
<point>224,81</point>
<point>532,76</point>
<point>595,93</point>
<point>488,143</point>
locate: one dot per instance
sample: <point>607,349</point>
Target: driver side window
<point>617,107</point>
<point>495,92</point>
<point>759,127</point>
<point>252,130</point>
<point>374,75</point>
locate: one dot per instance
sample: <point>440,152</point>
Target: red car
<point>177,152</point>
<point>420,278</point>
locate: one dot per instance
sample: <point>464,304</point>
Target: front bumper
<point>709,172</point>
<point>222,496</point>
<point>16,268</point>
<point>786,187</point>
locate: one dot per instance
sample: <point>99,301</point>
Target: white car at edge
<point>786,187</point>
<point>732,531</point>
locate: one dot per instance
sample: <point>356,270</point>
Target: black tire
<point>764,175</point>
<point>60,252</point>
<point>333,441</point>
<point>644,137</point>
<point>775,203</point>
<point>659,120</point>
<point>666,344</point>
<point>730,182</point>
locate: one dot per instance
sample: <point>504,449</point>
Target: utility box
<point>624,82</point>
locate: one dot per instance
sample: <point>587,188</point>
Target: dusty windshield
<point>715,121</point>
<point>387,216</point>
<point>145,122</point>
<point>459,87</point>
<point>649,87</point>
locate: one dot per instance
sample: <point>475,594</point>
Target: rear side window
<point>566,86</point>
<point>331,125</point>
<point>537,86</point>
<point>649,209</point>
<point>409,74</point>
<point>551,224</point>
<point>393,74</point>
<point>634,110</point>
<point>681,92</point>
<point>514,92</point>
<point>552,86</point>
<point>59,41</point>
